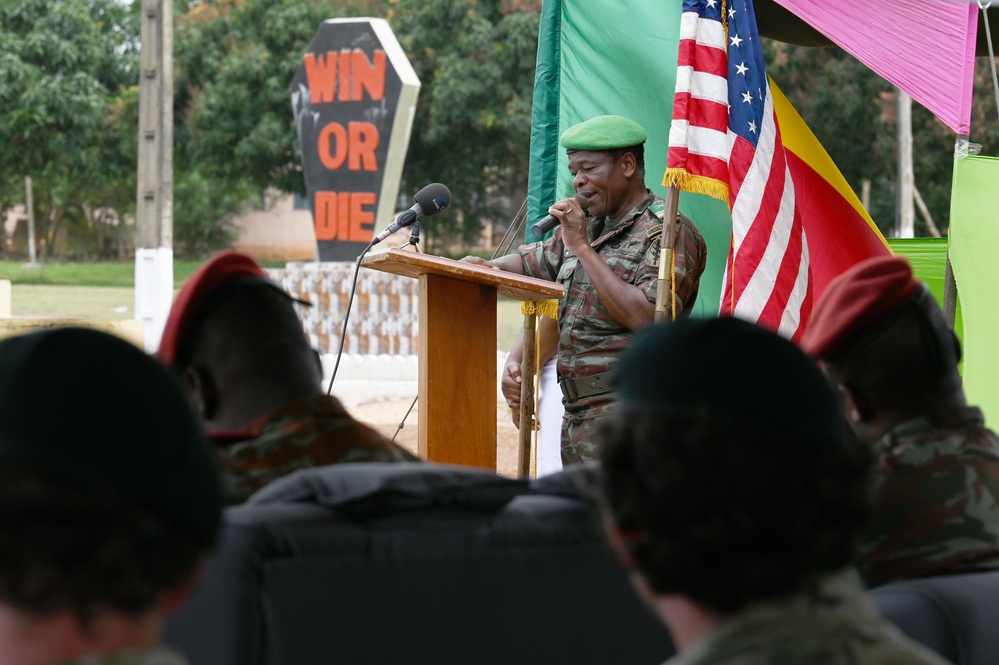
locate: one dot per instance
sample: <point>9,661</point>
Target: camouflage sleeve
<point>937,507</point>
<point>543,259</point>
<point>647,272</point>
<point>691,257</point>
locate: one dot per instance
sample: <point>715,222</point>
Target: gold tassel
<point>696,184</point>
<point>547,308</point>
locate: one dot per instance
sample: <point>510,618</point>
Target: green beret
<point>733,370</point>
<point>605,132</point>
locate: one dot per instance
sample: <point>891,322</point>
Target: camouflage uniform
<point>314,431</point>
<point>834,625</point>
<point>154,656</point>
<point>937,505</point>
<point>590,339</point>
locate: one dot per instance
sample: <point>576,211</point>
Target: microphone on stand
<point>430,200</point>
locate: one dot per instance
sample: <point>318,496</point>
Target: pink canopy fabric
<point>925,48</point>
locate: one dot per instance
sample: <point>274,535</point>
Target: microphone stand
<point>414,239</point>
<point>346,315</point>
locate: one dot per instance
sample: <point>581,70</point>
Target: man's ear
<point>628,164</point>
<point>203,392</point>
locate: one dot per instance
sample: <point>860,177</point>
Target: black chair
<point>415,563</point>
<point>957,616</point>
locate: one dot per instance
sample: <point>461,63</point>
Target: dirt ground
<point>385,416</point>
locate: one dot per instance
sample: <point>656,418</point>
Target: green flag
<point>598,57</point>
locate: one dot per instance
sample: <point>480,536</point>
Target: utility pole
<point>29,204</point>
<point>154,197</point>
<point>905,210</point>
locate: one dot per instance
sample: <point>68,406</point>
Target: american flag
<point>724,141</point>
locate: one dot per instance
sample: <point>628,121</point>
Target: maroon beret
<point>222,270</point>
<point>856,303</point>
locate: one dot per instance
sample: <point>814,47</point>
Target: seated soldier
<point>234,335</point>
<point>884,342</point>
<point>109,500</point>
<point>737,499</point>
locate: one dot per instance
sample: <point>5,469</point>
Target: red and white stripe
<point>698,137</point>
<point>767,279</point>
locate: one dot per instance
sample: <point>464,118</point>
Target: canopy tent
<point>781,24</point>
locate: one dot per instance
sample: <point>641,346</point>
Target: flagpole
<point>665,296</point>
<point>961,149</point>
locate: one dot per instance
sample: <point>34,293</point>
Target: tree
<point>473,123</point>
<point>235,62</point>
<point>63,68</point>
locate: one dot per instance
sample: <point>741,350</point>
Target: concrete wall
<point>383,319</point>
<point>5,298</point>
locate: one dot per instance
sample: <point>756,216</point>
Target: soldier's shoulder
<point>658,208</point>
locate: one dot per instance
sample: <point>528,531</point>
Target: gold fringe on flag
<point>697,184</point>
<point>547,308</point>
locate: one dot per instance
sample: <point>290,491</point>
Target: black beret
<point>733,369</point>
<point>88,405</point>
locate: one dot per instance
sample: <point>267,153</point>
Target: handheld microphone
<point>429,201</point>
<point>548,223</point>
<point>544,226</point>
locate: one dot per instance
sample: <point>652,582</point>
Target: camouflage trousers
<point>580,424</point>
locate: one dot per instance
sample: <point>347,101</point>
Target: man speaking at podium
<point>605,252</point>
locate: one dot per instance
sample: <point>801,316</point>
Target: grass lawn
<point>72,302</point>
<point>105,291</point>
<point>85,274</point>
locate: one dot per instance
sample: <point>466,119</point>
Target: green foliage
<point>473,121</point>
<point>235,62</point>
<point>203,212</point>
<point>233,65</point>
<point>69,119</point>
<point>62,68</point>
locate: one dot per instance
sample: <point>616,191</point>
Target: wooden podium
<point>457,349</point>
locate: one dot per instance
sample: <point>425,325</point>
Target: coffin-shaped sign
<point>354,97</point>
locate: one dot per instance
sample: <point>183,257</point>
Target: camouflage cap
<point>222,270</point>
<point>729,369</point>
<point>86,405</point>
<point>857,303</point>
<point>604,132</point>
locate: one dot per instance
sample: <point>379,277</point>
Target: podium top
<point>509,285</point>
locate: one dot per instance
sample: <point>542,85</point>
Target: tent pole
<point>961,149</point>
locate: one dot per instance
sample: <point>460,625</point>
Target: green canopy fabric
<point>974,245</point>
<point>928,257</point>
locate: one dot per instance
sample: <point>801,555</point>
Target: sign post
<point>354,97</point>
